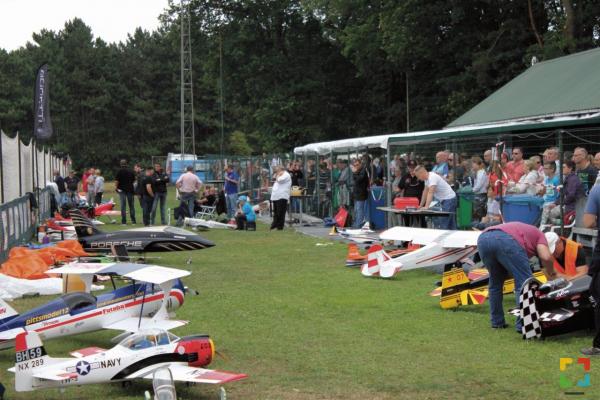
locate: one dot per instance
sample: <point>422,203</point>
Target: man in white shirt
<point>280,196</point>
<point>436,186</point>
<point>188,185</point>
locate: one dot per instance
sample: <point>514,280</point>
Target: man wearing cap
<point>506,249</point>
<point>569,257</point>
<point>590,221</point>
<point>245,213</point>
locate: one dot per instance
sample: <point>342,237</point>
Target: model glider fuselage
<point>148,239</point>
<point>81,312</point>
<point>165,238</point>
<point>136,356</point>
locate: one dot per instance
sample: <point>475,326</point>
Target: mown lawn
<point>289,314</point>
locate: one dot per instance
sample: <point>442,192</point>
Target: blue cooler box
<point>522,208</point>
<point>377,199</point>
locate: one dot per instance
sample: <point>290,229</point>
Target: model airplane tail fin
<point>30,356</point>
<point>6,312</point>
<point>454,281</point>
<point>379,263</point>
<point>83,225</point>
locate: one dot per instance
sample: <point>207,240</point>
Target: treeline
<point>293,71</point>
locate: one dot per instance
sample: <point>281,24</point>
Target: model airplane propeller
<point>137,356</point>
<point>146,302</point>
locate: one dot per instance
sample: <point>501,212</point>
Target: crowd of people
<point>91,184</point>
<point>495,173</point>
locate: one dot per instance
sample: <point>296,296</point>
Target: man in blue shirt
<point>245,216</point>
<point>590,221</point>
<point>232,179</point>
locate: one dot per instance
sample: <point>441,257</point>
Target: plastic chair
<point>207,212</point>
<point>569,220</point>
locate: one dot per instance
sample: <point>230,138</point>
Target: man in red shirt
<point>515,169</point>
<point>507,248</point>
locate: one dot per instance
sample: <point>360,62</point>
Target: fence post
<point>560,179</point>
<point>20,170</point>
<point>1,171</point>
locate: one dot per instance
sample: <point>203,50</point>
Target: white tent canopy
<point>381,141</point>
<point>343,145</point>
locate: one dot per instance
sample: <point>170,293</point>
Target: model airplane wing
<point>11,334</point>
<point>156,274</point>
<point>184,373</point>
<point>421,236</point>
<point>134,324</point>
<point>139,272</point>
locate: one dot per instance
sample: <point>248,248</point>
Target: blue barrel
<point>377,199</point>
<point>522,208</point>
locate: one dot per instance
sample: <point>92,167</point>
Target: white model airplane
<point>364,235</point>
<point>206,223</point>
<point>440,247</point>
<point>146,303</point>
<point>135,357</point>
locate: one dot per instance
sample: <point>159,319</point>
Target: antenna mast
<point>188,144</point>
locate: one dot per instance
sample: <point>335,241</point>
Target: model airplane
<point>206,223</point>
<point>159,238</point>
<point>556,307</point>
<point>440,247</point>
<point>355,259</point>
<point>459,290</point>
<point>135,357</point>
<point>147,303</point>
<point>363,235</point>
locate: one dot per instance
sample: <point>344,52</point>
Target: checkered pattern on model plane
<point>531,324</point>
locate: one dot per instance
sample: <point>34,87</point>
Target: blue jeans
<point>231,204</point>
<point>295,204</point>
<point>359,213</point>
<point>189,199</point>
<point>501,254</point>
<point>162,198</point>
<point>448,222</point>
<point>147,202</point>
<point>125,198</point>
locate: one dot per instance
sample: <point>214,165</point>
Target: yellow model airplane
<point>458,290</point>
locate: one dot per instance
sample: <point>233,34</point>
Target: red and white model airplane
<point>154,293</point>
<point>135,357</point>
<point>440,247</point>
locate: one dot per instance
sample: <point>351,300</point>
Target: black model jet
<point>556,307</point>
<point>149,239</point>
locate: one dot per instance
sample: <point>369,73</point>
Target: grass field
<point>302,326</point>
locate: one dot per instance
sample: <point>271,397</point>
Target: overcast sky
<point>111,20</point>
